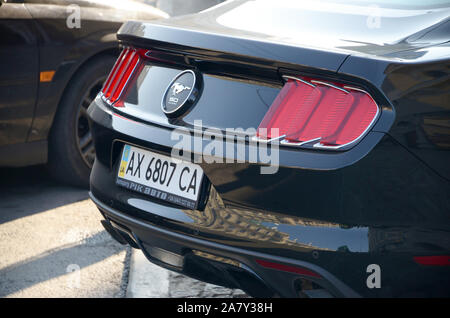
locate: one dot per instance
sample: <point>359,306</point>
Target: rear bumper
<point>255,238</point>
<point>239,268</point>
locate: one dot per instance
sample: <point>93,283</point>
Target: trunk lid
<point>343,27</point>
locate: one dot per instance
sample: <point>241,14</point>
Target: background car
<point>54,57</point>
<point>360,95</point>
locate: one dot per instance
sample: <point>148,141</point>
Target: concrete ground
<point>147,280</point>
<point>53,245</point>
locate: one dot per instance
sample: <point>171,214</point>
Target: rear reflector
<point>125,69</point>
<point>287,268</point>
<point>323,114</point>
<point>433,260</point>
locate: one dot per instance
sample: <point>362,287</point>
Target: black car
<point>54,58</point>
<point>287,148</point>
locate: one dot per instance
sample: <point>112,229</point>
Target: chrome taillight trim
<point>318,145</point>
<point>129,77</point>
<point>298,144</point>
<point>330,85</point>
<point>267,141</point>
<point>298,79</point>
<point>349,144</point>
<point>115,69</point>
<point>127,57</point>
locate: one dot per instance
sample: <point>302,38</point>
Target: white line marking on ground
<point>146,280</point>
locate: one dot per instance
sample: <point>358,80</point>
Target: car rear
<point>280,167</point>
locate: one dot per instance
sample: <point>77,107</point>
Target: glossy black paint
<point>418,88</point>
<point>36,37</point>
<point>382,202</point>
<point>19,62</point>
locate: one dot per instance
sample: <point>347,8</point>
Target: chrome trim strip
<point>298,79</point>
<point>330,85</point>
<point>125,55</point>
<point>113,71</point>
<point>106,100</point>
<point>359,90</point>
<point>266,141</point>
<point>129,77</point>
<point>298,144</point>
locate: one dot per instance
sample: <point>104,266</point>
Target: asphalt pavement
<point>53,245</point>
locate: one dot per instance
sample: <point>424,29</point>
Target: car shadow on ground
<point>30,190</point>
<point>50,234</point>
<point>72,257</point>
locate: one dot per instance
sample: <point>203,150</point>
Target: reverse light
<point>127,66</point>
<point>322,114</point>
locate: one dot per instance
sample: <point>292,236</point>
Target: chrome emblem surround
<point>181,93</point>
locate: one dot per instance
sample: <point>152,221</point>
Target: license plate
<point>160,176</point>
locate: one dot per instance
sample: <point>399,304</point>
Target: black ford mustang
<point>287,148</point>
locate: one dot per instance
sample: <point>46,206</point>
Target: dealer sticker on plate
<point>160,176</point>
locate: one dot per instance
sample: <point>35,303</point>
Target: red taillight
<point>326,115</point>
<point>126,67</point>
<point>287,268</point>
<point>443,260</point>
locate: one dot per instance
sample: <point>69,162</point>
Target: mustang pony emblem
<point>180,94</point>
<point>177,88</point>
